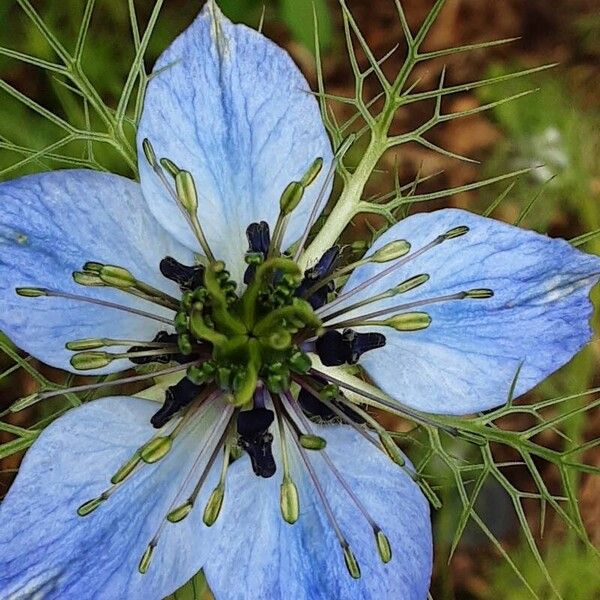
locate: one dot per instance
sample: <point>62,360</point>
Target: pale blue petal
<point>261,557</point>
<point>50,225</point>
<point>47,550</point>
<point>468,357</point>
<point>230,106</point>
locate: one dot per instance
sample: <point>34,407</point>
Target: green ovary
<point>255,336</point>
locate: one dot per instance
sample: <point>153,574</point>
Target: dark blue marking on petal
<point>188,278</point>
<point>335,348</point>
<point>312,276</point>
<point>259,240</point>
<point>253,429</point>
<point>177,396</point>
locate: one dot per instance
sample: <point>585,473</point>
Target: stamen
<point>83,361</point>
<point>316,209</point>
<point>381,540</point>
<point>391,251</point>
<point>121,278</point>
<point>288,498</point>
<point>449,235</point>
<point>180,512</point>
<point>401,288</point>
<point>37,397</point>
<point>349,558</point>
<point>215,500</point>
<point>290,198</point>
<point>379,402</point>
<point>28,292</point>
<point>184,194</point>
<point>476,294</point>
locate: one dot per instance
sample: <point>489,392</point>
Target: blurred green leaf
<point>298,16</point>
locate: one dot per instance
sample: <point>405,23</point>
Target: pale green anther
<point>351,562</point>
<point>186,191</point>
<point>291,197</point>
<point>149,153</point>
<point>30,292</point>
<point>85,344</point>
<point>390,251</point>
<point>289,501</point>
<point>411,284</point>
<point>383,545</point>
<point>25,402</point>
<point>156,449</point>
<point>410,321</point>
<point>84,361</point>
<point>213,506</point>
<point>391,449</point>
<point>90,506</point>
<point>95,267</point>
<point>126,469</point>
<point>169,166</point>
<point>312,173</point>
<point>181,512</point>
<point>146,558</point>
<point>312,442</point>
<point>88,279</point>
<point>480,294</point>
<point>117,276</point>
<point>456,232</point>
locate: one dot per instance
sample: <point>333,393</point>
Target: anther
<point>91,505</point>
<point>455,232</point>
<point>411,321</point>
<point>391,251</point>
<point>39,292</point>
<point>213,506</point>
<point>147,557</point>
<point>156,449</point>
<point>289,501</point>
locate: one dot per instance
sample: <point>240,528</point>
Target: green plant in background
<point>85,128</point>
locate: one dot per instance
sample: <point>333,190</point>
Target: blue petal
<point>258,555</point>
<point>50,225</point>
<point>466,360</point>
<point>47,550</point>
<point>230,106</point>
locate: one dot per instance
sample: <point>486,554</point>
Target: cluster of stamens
<point>250,354</point>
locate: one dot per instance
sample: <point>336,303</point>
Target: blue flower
<point>263,465</point>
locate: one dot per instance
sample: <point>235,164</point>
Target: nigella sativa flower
<point>263,465</point>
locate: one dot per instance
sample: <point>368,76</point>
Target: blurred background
<point>558,127</point>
